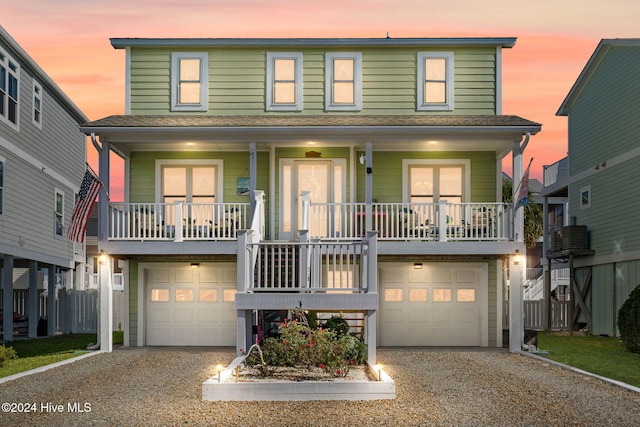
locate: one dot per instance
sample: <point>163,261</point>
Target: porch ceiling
<point>129,133</point>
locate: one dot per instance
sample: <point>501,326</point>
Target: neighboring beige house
<point>359,177</point>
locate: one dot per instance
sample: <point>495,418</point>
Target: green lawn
<point>37,352</point>
<point>605,356</point>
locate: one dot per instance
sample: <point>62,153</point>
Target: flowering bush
<point>301,346</point>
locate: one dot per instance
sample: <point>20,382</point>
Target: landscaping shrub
<point>629,321</point>
<point>6,353</point>
<point>301,346</point>
<point>338,325</point>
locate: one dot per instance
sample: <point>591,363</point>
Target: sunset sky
<point>69,39</point>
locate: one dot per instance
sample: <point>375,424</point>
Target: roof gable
<point>590,69</point>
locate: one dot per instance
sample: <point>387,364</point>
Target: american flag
<point>84,202</point>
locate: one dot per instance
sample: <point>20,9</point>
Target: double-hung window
<point>343,81</point>
<point>59,212</point>
<point>37,104</point>
<point>284,81</point>
<point>189,81</point>
<point>435,81</point>
<point>9,79</point>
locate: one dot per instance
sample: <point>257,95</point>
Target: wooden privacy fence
<point>75,311</point>
<point>534,315</point>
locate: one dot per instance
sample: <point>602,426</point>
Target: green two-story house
<point>359,177</point>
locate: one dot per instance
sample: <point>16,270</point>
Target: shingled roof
<point>311,121</point>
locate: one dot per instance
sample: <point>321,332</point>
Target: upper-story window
<point>2,185</point>
<point>284,81</point>
<point>59,212</point>
<point>343,81</point>
<point>9,78</point>
<point>37,104</point>
<point>189,81</point>
<point>435,81</point>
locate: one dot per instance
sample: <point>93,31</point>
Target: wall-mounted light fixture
<point>103,258</point>
<point>195,264</point>
<point>363,159</point>
<point>417,266</point>
<point>517,258</point>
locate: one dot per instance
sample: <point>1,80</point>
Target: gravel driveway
<point>151,386</point>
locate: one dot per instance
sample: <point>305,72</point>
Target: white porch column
<point>105,325</point>
<point>372,288</point>
<point>103,200</point>
<point>368,191</point>
<point>516,318</point>
<point>243,265</point>
<point>253,174</point>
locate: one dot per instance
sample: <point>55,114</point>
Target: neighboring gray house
<point>42,162</point>
<point>601,185</point>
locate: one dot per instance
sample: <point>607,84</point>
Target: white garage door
<point>440,304</point>
<point>187,306</point>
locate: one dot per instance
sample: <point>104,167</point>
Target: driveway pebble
<point>162,387</point>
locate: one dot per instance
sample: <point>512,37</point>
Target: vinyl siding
<point>235,164</point>
<point>387,176</point>
<point>494,321</point>
<point>29,191</point>
<point>612,284</point>
<point>603,123</point>
<point>133,303</point>
<point>237,82</point>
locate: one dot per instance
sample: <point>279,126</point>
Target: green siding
<point>237,80</point>
<point>387,174</point>
<point>612,284</point>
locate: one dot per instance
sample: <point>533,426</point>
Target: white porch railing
<point>408,221</point>
<point>176,221</point>
<point>308,267</point>
<point>535,282</point>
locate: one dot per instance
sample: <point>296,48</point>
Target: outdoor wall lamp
<point>517,258</point>
<point>103,257</point>
<point>363,159</point>
<point>195,264</point>
<point>417,266</point>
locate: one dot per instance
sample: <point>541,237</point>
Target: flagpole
<point>96,176</point>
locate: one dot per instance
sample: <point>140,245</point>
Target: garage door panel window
<point>466,295</point>
<point>208,295</point>
<point>417,295</point>
<point>393,295</point>
<point>441,295</point>
<point>159,295</point>
<point>229,295</point>
<point>184,295</point>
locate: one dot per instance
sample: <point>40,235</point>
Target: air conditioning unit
<point>575,237</point>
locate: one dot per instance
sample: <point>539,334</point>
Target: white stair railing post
<point>442,220</point>
<point>179,219</point>
<point>306,207</point>
<point>305,253</point>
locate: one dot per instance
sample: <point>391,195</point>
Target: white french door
<point>323,178</point>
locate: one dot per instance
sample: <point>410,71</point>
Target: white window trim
<point>204,83</point>
<point>55,212</point>
<point>271,57</point>
<point>3,117</point>
<point>218,163</point>
<point>37,86</point>
<point>449,90</point>
<point>357,77</point>
<point>466,171</point>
